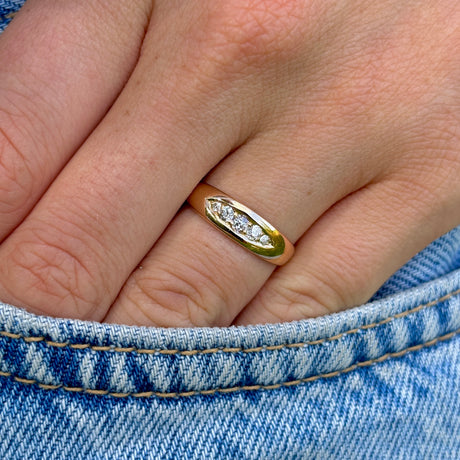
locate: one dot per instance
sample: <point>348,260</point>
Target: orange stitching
<point>82,346</point>
<point>9,15</point>
<point>148,394</point>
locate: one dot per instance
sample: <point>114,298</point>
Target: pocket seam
<point>148,394</point>
<point>82,346</point>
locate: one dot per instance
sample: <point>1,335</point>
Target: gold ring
<point>241,224</point>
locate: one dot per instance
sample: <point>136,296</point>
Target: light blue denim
<point>379,381</point>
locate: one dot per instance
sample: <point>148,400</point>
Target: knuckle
<point>172,296</point>
<point>302,297</point>
<point>242,32</point>
<point>16,176</point>
<point>48,271</point>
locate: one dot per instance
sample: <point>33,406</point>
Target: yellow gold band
<point>241,224</point>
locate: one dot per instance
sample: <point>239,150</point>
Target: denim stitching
<point>8,16</point>
<point>112,349</point>
<point>148,394</point>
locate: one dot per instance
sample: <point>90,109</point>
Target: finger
<point>189,279</point>
<point>170,125</point>
<point>353,248</point>
<point>195,276</point>
<point>62,65</point>
<point>191,292</point>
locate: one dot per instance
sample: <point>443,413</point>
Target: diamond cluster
<point>240,223</point>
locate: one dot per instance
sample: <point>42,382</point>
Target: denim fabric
<point>378,381</point>
<point>381,380</point>
<point>7,10</point>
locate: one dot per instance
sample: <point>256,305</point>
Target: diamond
<point>227,213</point>
<point>241,224</point>
<point>265,239</point>
<point>256,232</point>
<point>216,207</point>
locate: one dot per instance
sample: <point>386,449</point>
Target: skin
<point>338,122</point>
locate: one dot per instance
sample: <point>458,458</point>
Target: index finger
<point>62,65</point>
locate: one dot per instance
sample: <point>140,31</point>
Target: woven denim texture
<point>381,380</point>
<point>7,10</point>
<point>378,381</point>
<point>207,360</point>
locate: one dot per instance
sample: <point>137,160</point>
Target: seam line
<point>148,394</point>
<point>108,348</point>
<point>8,15</point>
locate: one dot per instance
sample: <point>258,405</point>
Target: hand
<point>338,122</point>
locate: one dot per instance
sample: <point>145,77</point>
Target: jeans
<point>381,380</point>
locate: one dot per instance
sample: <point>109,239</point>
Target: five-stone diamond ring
<point>241,224</point>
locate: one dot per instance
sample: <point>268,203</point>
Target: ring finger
<point>196,276</point>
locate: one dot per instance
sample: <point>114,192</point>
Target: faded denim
<point>378,381</point>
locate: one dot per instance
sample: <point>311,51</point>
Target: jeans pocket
<point>384,374</point>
